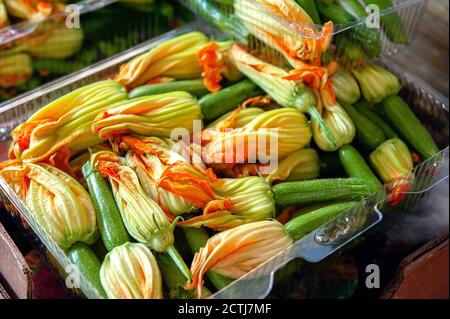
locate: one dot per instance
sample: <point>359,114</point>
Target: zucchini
<point>366,110</point>
<point>320,190</point>
<point>220,18</point>
<point>195,87</point>
<point>330,11</point>
<point>112,229</point>
<point>353,7</point>
<point>368,38</point>
<point>174,280</point>
<point>306,223</point>
<point>88,264</point>
<point>355,166</point>
<point>196,239</point>
<point>311,9</point>
<point>368,134</point>
<point>219,103</point>
<point>409,126</point>
<point>391,23</point>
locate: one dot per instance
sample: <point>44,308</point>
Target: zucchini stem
<point>178,260</point>
<point>315,115</point>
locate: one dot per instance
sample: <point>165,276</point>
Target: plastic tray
<point>409,12</point>
<point>430,106</point>
<point>104,35</point>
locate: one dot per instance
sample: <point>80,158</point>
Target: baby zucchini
<point>409,126</point>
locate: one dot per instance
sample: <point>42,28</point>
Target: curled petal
<point>130,271</point>
<point>237,251</point>
<point>248,200</point>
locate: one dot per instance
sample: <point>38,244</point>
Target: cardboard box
<point>14,271</point>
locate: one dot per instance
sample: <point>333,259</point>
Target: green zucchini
<point>219,103</point>
<point>112,229</point>
<point>88,264</point>
<point>304,224</point>
<point>366,110</point>
<point>320,190</point>
<point>353,7</point>
<point>311,9</point>
<point>196,239</point>
<point>196,87</point>
<point>355,166</point>
<point>220,18</point>
<point>368,38</point>
<point>330,11</point>
<point>391,23</point>
<point>409,126</point>
<point>368,134</point>
<point>174,280</point>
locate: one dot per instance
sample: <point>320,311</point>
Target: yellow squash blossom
<point>130,271</point>
<point>235,252</point>
<point>156,115</point>
<point>285,26</point>
<point>275,133</point>
<point>176,58</point>
<point>64,123</point>
<point>15,69</point>
<point>251,200</point>
<point>61,206</point>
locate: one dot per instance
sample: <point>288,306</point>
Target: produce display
<point>53,49</point>
<point>168,164</point>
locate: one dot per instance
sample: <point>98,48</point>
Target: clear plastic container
<point>382,32</point>
<point>39,51</point>
<point>430,106</point>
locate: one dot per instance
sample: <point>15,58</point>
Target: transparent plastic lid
<point>22,29</point>
<point>360,35</point>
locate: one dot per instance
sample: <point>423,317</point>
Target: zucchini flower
<point>145,221</point>
<point>4,20</point>
<point>61,206</point>
<point>213,57</point>
<point>176,58</point>
<point>285,26</point>
<point>130,271</point>
<point>14,69</point>
<point>166,176</point>
<point>236,251</point>
<point>32,9</point>
<point>275,133</point>
<point>300,165</point>
<point>235,119</point>
<point>14,175</point>
<point>53,39</point>
<point>334,128</point>
<point>346,87</point>
<point>376,82</point>
<point>393,162</point>
<point>340,125</point>
<point>285,88</point>
<point>155,115</point>
<point>65,123</point>
<point>251,200</point>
